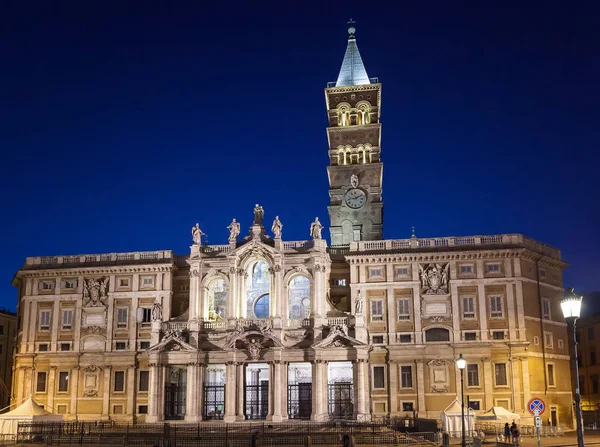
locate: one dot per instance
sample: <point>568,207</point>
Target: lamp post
<point>571,308</point>
<point>461,363</point>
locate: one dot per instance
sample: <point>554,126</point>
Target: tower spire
<point>353,70</point>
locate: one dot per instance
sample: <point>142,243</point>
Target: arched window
<point>437,334</point>
<point>343,115</point>
<point>257,290</point>
<point>364,116</point>
<point>341,157</point>
<point>217,300</point>
<point>299,297</point>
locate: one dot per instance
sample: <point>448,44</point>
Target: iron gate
<point>214,401</point>
<point>299,400</point>
<point>174,401</point>
<point>341,404</point>
<point>257,401</point>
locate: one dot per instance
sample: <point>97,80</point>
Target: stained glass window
<point>217,300</point>
<point>257,290</point>
<point>299,297</point>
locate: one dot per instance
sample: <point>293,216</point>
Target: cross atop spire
<point>353,71</point>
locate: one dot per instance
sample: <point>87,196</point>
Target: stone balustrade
<point>517,240</point>
<point>175,326</point>
<point>214,325</point>
<point>133,257</point>
<point>297,323</point>
<point>338,321</point>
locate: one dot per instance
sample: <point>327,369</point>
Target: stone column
<point>131,390</point>
<point>488,384</point>
<point>230,392</point>
<point>393,388</point>
<point>74,390</point>
<point>362,395</point>
<point>525,376</point>
<point>277,390</point>
<point>482,305</point>
<point>51,389</point>
<point>241,391</point>
<point>319,391</point>
<point>156,388</point>
<point>421,407</point>
<point>192,403</point>
<point>106,392</point>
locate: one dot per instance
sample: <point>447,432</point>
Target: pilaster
<point>319,395</point>
<point>393,388</point>
<point>74,389</point>
<point>391,314</point>
<point>488,383</point>
<point>482,305</point>
<point>54,329</point>
<point>106,392</point>
<point>455,312</point>
<point>421,388</point>
<point>510,309</point>
<point>418,339</point>
<point>131,391</point>
<point>277,390</point>
<point>194,385</point>
<point>230,392</point>
<point>51,389</point>
<point>153,394</point>
<point>241,391</point>
<point>516,384</point>
<point>362,396</point>
<point>520,311</point>
<point>525,376</point>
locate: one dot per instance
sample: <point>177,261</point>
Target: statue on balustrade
<point>277,228</point>
<point>157,312</point>
<point>197,234</point>
<point>358,305</point>
<point>259,214</point>
<point>315,229</point>
<point>234,230</point>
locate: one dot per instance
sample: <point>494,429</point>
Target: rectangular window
<point>592,357</point>
<point>594,380</point>
<point>67,319</point>
<point>377,339</point>
<point>475,405</point>
<point>356,235</point>
<point>339,282</point>
<point>470,336</point>
<point>581,384</point>
<point>69,284</point>
<point>123,282</point>
<point>590,333</point>
<point>144,345</point>
<point>117,409</point>
<point>405,338</point>
<point>147,281</point>
<point>496,306</point>
<point>468,307</point>
<point>144,379</point>
<point>185,288</point>
<point>500,374</point>
<point>0,348</point>
<point>120,346</point>
<point>143,409</point>
<point>377,310</point>
<point>63,382</point>
<point>45,320</point>
<point>542,273</point>
<point>551,374</point>
<point>549,340</point>
<point>40,386</point>
<point>47,285</point>
<point>472,374</point>
<point>122,313</point>
<point>403,309</point>
<point>561,344</point>
<point>466,269</point>
<point>146,315</point>
<point>375,272</point>
<point>1,329</point>
<point>408,406</point>
<point>43,347</point>
<point>119,385</point>
<point>545,308</point>
<point>498,335</point>
<point>406,379</point>
<point>65,346</point>
<point>536,340</point>
<point>492,268</point>
<point>379,377</point>
<point>401,271</point>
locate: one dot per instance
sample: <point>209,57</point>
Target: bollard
<point>308,442</point>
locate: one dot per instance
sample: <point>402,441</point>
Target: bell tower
<point>355,171</point>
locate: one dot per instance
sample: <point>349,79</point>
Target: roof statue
<point>353,71</point>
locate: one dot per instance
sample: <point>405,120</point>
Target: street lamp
<point>461,363</point>
<point>571,308</point>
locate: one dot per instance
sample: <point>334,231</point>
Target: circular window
<point>261,306</point>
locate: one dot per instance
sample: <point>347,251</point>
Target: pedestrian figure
<point>506,432</point>
<point>515,434</point>
<point>346,441</point>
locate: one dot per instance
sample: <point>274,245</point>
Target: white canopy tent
<point>498,414</point>
<point>451,419</point>
<point>28,411</point>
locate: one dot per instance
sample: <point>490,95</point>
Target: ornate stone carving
<point>320,268</point>
<point>197,234</point>
<point>95,292</point>
<point>234,230</point>
<point>277,228</point>
<point>194,273</point>
<point>156,311</point>
<point>434,278</point>
<point>92,369</point>
<point>175,333</point>
<point>354,181</point>
<point>240,271</point>
<point>436,319</point>
<point>440,388</point>
<point>91,380</point>
<point>232,270</point>
<point>93,330</point>
<point>315,229</point>
<point>294,335</point>
<point>254,348</point>
<point>259,214</point>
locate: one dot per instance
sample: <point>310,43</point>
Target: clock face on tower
<point>355,198</point>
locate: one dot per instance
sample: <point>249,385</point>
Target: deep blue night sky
<point>122,123</point>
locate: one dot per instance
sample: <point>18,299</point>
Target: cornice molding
<point>116,270</point>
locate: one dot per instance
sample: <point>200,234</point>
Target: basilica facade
<point>266,328</point>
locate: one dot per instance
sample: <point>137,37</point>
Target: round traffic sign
<point>536,404</point>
